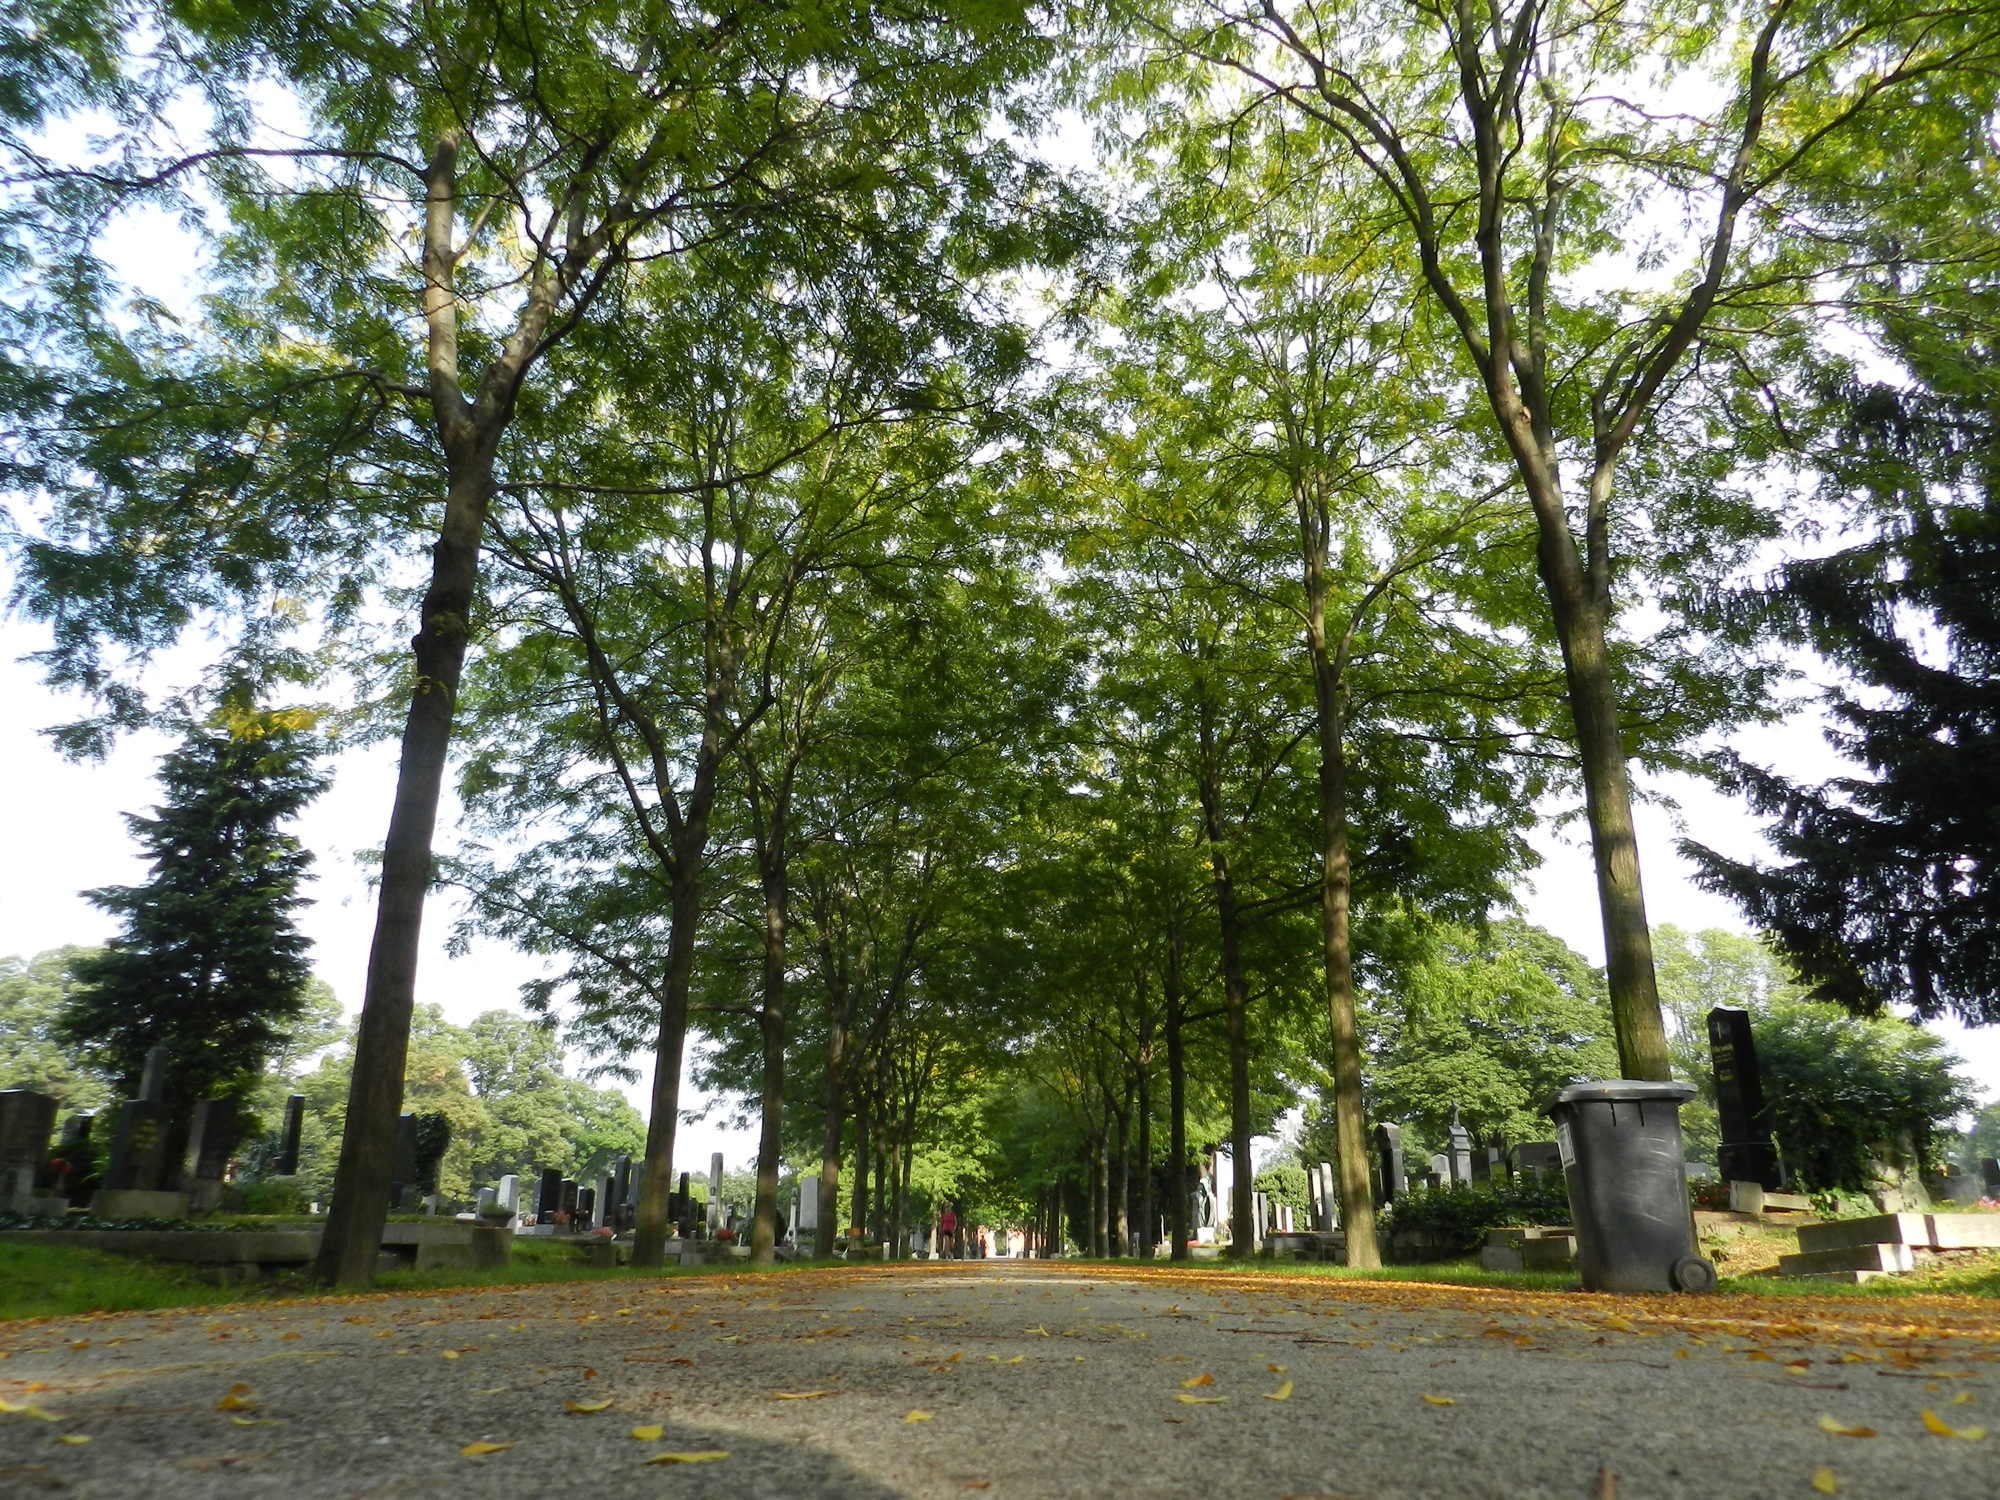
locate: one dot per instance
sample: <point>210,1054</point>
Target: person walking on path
<point>947,1232</point>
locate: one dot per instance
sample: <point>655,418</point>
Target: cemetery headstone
<point>1989,1169</point>
<point>26,1119</point>
<point>548,1196</point>
<point>1461,1152</point>
<point>604,1210</point>
<point>1389,1160</point>
<point>403,1164</point>
<point>1439,1172</point>
<point>211,1139</point>
<point>507,1194</point>
<point>1537,1157</point>
<point>808,1213</point>
<point>287,1164</point>
<point>566,1206</point>
<point>714,1193</point>
<point>1747,1153</point>
<point>138,1147</point>
<point>1260,1224</point>
<point>586,1209</point>
<point>1329,1198</point>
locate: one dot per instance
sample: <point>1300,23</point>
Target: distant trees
<point>33,993</point>
<point>208,962</point>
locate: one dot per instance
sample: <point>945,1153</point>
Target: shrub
<point>272,1195</point>
<point>1462,1215</point>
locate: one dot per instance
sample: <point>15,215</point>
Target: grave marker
<point>211,1138</point>
<point>1389,1160</point>
<point>1460,1163</point>
<point>714,1193</point>
<point>287,1164</point>
<point>26,1118</point>
<point>1747,1153</point>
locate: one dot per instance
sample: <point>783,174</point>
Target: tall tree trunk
<point>1336,890</point>
<point>1236,1015</point>
<point>773,876</point>
<point>906,1158</point>
<point>651,1228</point>
<point>1119,1230</point>
<point>1607,790</point>
<point>858,1209</point>
<point>1177,1158</point>
<point>840,1014</point>
<point>1148,1214</point>
<point>878,1227</point>
<point>469,435</point>
<point>1093,1168</point>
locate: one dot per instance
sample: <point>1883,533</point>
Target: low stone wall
<point>243,1254</point>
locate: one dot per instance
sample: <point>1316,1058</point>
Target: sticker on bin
<point>1564,1149</point>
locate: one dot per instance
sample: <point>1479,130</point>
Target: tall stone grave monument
<point>714,1193</point>
<point>1389,1160</point>
<point>1747,1153</point>
<point>211,1138</point>
<point>135,1180</point>
<point>1459,1170</point>
<point>26,1119</point>
<point>287,1164</point>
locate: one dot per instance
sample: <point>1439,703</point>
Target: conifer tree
<point>209,962</point>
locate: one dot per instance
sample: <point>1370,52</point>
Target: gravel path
<point>1014,1379</point>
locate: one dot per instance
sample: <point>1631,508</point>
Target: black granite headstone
<point>586,1204</point>
<point>26,1119</point>
<point>287,1164</point>
<point>1389,1160</point>
<point>548,1196</point>
<point>1989,1171</point>
<point>138,1147</point>
<point>74,1148</point>
<point>1746,1153</point>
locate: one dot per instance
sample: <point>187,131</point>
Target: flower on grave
<point>725,1235</point>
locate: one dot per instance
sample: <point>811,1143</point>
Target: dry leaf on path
<point>1187,1400</point>
<point>650,1434</point>
<point>1204,1378</point>
<point>706,1456</point>
<point>74,1439</point>
<point>1441,1400</point>
<point>1282,1393</point>
<point>917,1416</point>
<point>585,1408</point>
<point>1824,1481</point>
<point>29,1411</point>
<point>480,1450</point>
<point>801,1395</point>
<point>1841,1429</point>
<point>1942,1428</point>
<point>237,1398</point>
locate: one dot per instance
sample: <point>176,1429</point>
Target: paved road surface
<point>1031,1380</point>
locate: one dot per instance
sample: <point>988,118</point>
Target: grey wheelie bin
<point>1620,1141</point>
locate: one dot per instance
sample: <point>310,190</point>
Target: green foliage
<point>209,961</point>
<point>1488,1023</point>
<point>1285,1183</point>
<point>33,993</point>
<point>272,1195</point>
<point>1462,1215</point>
<point>1842,1087</point>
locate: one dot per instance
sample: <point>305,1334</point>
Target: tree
<point>208,963</point>
<point>1843,1090</point>
<point>33,993</point>
<point>1511,143</point>
<point>1886,886</point>
<point>304,439</point>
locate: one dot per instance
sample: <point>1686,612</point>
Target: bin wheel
<point>1692,1274</point>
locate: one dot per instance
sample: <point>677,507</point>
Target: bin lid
<point>1619,1090</point>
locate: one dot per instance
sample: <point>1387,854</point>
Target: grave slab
<point>1877,1229</point>
<point>138,1203</point>
<point>1964,1231</point>
<point>1873,1257</point>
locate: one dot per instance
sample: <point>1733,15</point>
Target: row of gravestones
<point>139,1180</point>
<point>610,1204</point>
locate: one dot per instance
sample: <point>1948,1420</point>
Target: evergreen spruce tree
<point>209,961</point>
<point>1885,892</point>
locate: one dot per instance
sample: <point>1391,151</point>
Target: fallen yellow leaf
<point>1187,1400</point>
<point>708,1456</point>
<point>1840,1429</point>
<point>916,1416</point>
<point>74,1439</point>
<point>480,1450</point>
<point>237,1398</point>
<point>1824,1481</point>
<point>801,1395</point>
<point>1943,1428</point>
<point>255,1422</point>
<point>648,1434</point>
<point>1961,1398</point>
<point>587,1407</point>
<point>1204,1378</point>
<point>26,1411</point>
<point>1037,1330</point>
<point>449,1353</point>
<point>1620,1324</point>
<point>1441,1400</point>
<point>1276,1369</point>
<point>1680,1354</point>
<point>1759,1354</point>
<point>1282,1393</point>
